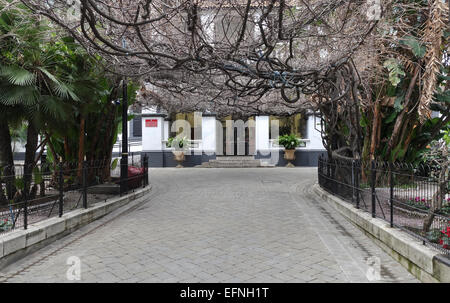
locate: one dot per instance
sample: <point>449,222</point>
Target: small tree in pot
<point>290,142</point>
<point>179,146</point>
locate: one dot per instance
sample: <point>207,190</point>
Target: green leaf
<point>395,71</point>
<point>4,22</point>
<point>20,183</point>
<point>345,130</point>
<point>114,164</point>
<point>390,91</point>
<point>288,141</point>
<point>391,117</point>
<point>425,135</point>
<point>443,97</point>
<point>438,107</point>
<point>446,34</point>
<point>363,121</point>
<point>116,133</point>
<point>417,48</point>
<point>11,95</point>
<point>398,103</point>
<point>397,151</point>
<point>445,240</point>
<point>60,88</point>
<point>68,39</point>
<point>37,175</point>
<point>17,75</point>
<point>441,78</point>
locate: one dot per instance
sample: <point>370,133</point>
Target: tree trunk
<point>438,197</point>
<point>66,149</point>
<point>30,153</point>
<point>55,159</point>
<point>106,173</point>
<point>375,126</point>
<point>81,148</point>
<point>399,121</point>
<point>6,159</point>
<point>101,140</point>
<point>107,168</point>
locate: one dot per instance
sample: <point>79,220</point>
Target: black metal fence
<point>402,194</point>
<point>47,190</point>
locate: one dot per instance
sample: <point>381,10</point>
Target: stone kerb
<point>18,243</point>
<point>422,261</point>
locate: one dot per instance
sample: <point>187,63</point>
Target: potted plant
<point>178,145</point>
<point>290,142</point>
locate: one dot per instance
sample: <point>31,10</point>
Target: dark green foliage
<point>289,141</point>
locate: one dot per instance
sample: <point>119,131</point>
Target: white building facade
<point>211,137</point>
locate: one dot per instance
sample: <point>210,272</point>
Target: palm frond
<point>65,91</point>
<point>17,75</point>
<point>30,112</point>
<point>432,36</point>
<point>54,107</point>
<point>61,89</point>
<point>11,95</point>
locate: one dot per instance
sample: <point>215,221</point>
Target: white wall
<point>313,134</point>
<point>152,137</point>
<point>209,134</point>
<point>166,130</point>
<point>262,132</point>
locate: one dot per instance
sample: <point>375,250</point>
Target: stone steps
<point>232,162</point>
<point>236,161</point>
<point>234,158</point>
<point>228,166</point>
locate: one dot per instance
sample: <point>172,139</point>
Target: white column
<point>166,130</point>
<point>152,132</point>
<point>209,134</point>
<point>129,125</point>
<point>313,134</point>
<point>262,133</point>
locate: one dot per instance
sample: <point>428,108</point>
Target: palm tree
<point>56,89</point>
<point>32,83</point>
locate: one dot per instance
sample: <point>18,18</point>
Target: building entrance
<point>238,137</point>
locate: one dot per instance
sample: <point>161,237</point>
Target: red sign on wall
<point>151,123</point>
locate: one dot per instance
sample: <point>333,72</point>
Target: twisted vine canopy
<point>372,67</point>
<point>252,55</point>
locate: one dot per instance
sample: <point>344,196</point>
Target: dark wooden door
<point>244,138</point>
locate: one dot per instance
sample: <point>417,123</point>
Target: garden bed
<point>410,214</point>
<point>42,208</point>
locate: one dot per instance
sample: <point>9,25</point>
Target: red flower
<point>446,235</point>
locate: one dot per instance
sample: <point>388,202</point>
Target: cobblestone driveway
<point>217,225</point>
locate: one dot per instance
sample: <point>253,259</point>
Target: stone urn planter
<point>289,155</point>
<point>178,155</point>
<point>289,142</point>
<point>179,145</point>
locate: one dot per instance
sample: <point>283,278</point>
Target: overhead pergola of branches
<point>376,69</point>
<point>267,56</point>
<point>251,47</point>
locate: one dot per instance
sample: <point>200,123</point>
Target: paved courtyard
<point>217,225</point>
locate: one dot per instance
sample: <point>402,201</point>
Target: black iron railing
<point>404,195</point>
<point>46,190</point>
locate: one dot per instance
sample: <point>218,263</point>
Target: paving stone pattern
<point>217,225</point>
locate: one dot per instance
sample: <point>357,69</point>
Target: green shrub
<point>178,143</point>
<point>289,141</point>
